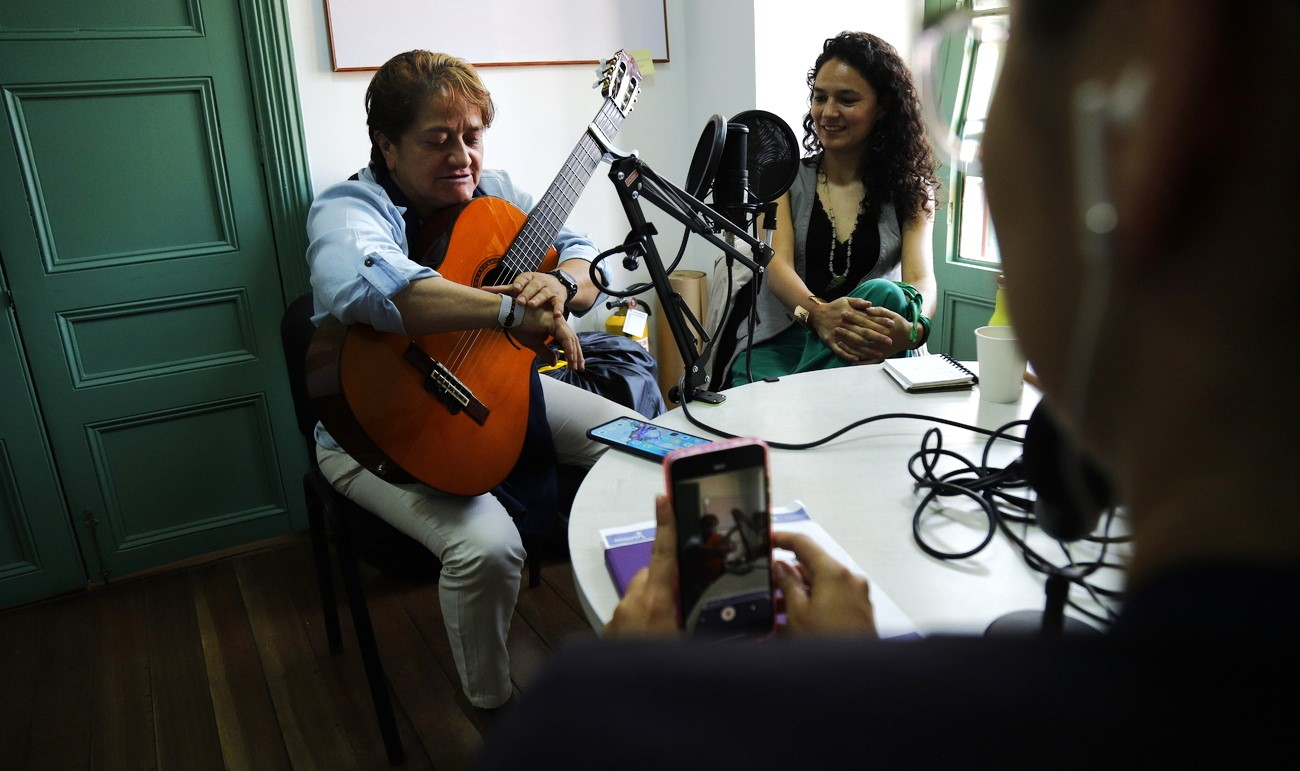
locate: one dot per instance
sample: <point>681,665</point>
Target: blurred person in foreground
<point>1119,299</point>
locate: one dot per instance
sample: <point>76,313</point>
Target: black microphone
<point>745,163</point>
<point>731,188</point>
<point>1072,489</point>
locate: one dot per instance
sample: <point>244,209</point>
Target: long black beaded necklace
<point>838,278</point>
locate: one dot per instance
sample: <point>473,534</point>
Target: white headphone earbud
<point>1099,111</point>
<point>1128,97</point>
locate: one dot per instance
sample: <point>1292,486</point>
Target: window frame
<point>966,287</point>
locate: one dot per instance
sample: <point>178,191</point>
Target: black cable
<point>989,485</point>
<point>629,244</point>
<point>993,488</point>
<point>681,384</point>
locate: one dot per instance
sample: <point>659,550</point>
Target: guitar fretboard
<point>550,214</point>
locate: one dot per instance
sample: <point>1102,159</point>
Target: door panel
<point>179,203</point>
<point>91,19</point>
<point>965,307</point>
<point>38,552</point>
<point>148,463</point>
<point>145,274</point>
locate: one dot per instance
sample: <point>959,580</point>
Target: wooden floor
<point>226,665</point>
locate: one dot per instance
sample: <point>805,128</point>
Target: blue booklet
<point>627,550</point>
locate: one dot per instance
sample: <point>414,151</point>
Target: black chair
<point>327,507</point>
<point>357,534</point>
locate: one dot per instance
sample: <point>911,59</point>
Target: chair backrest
<point>296,330</point>
<point>373,539</point>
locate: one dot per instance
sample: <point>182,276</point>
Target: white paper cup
<point>1002,365</point>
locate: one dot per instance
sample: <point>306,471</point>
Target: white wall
<point>726,56</point>
<point>790,37</point>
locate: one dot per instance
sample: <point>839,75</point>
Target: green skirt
<point>798,349</point>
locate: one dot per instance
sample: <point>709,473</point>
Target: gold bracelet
<point>801,313</point>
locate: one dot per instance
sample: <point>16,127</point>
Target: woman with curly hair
<point>852,278</point>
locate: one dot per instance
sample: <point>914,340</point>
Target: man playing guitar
<point>427,115</point>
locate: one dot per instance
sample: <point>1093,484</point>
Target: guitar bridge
<point>445,386</point>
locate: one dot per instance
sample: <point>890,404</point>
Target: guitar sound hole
<point>496,276</point>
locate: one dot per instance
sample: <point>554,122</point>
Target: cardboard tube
<point>693,286</point>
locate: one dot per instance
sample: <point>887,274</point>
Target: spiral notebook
<point>935,372</point>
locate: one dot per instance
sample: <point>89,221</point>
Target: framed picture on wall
<point>366,33</point>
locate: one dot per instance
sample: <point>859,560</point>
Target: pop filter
<point>772,154</point>
<point>708,153</point>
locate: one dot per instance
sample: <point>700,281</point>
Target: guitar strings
<point>463,356</point>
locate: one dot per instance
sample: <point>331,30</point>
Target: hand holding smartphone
<point>722,510</point>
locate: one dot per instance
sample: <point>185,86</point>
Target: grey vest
<point>773,317</point>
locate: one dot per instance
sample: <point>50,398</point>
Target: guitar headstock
<point>621,82</point>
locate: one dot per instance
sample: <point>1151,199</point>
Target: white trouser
<point>480,549</point>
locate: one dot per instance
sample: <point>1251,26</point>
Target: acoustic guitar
<point>450,410</point>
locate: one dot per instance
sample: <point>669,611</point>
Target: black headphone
<point>1066,510</point>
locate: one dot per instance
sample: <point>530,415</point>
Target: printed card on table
<point>627,550</point>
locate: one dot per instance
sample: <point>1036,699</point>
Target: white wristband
<point>509,316</point>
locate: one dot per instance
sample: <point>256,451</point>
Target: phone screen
<point>644,439</point>
<point>724,549</point>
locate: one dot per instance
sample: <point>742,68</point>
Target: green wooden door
<point>136,241</point>
<point>966,287</point>
<point>38,551</point>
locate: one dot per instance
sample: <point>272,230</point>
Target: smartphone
<point>721,505</point>
<point>644,439</point>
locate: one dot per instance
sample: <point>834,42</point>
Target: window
<point>956,59</point>
<point>960,60</point>
<point>981,62</point>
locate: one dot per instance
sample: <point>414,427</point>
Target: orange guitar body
<point>376,396</point>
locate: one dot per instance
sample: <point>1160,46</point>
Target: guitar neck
<point>552,211</point>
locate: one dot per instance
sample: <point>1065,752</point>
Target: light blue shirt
<point>357,252</point>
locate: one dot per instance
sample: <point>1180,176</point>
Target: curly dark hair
<point>903,168</point>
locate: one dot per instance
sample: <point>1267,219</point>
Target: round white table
<point>857,487</point>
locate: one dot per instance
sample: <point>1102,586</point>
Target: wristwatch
<point>568,282</point>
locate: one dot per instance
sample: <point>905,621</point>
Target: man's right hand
<point>540,325</point>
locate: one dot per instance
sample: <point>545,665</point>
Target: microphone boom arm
<point>761,251</point>
<point>634,181</point>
